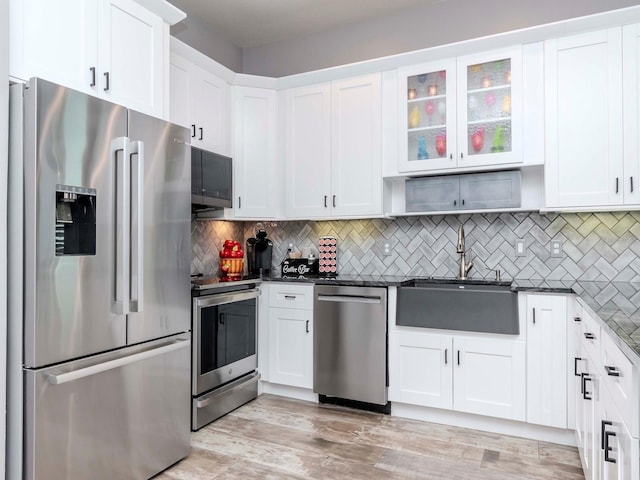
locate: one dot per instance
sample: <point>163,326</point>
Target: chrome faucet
<point>464,266</point>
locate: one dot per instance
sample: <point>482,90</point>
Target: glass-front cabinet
<point>462,112</point>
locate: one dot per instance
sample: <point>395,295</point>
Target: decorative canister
<point>328,257</point>
<point>231,261</point>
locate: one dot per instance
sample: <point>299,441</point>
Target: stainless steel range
<point>224,349</point>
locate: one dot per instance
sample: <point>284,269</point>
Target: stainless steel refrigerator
<point>99,342</point>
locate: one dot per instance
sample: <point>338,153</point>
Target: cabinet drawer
<point>590,336</point>
<point>289,295</point>
<point>617,377</point>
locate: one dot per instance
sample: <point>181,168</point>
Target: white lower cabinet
<point>484,375</point>
<point>606,400</point>
<point>291,347</point>
<point>546,317</point>
<point>290,334</point>
<point>619,450</point>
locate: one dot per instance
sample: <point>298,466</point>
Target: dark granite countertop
<point>617,304</point>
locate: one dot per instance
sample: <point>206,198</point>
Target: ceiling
<point>253,23</point>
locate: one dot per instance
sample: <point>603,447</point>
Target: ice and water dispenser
<point>75,220</point>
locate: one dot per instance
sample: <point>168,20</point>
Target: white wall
<point>436,24</point>
<point>4,128</point>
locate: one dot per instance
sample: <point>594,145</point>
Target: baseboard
<point>487,424</point>
<point>288,391</point>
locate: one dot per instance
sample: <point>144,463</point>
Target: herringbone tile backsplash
<point>596,246</point>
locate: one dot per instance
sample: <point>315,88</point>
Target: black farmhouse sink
<point>451,304</point>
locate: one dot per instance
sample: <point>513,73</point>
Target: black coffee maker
<point>259,251</point>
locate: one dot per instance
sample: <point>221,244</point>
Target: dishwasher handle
<point>349,299</point>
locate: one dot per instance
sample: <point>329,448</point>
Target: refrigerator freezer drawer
<point>123,414</point>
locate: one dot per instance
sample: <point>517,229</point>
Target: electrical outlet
<point>555,247</point>
<point>521,247</point>
<point>386,249</point>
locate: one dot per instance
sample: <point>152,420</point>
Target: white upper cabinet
<point>199,100</point>
<point>333,149</point>
<point>462,112</point>
<point>308,151</point>
<point>631,112</point>
<point>584,120</point>
<point>356,129</point>
<point>111,49</point>
<point>254,152</point>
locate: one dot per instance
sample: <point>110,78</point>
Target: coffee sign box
<point>299,268</point>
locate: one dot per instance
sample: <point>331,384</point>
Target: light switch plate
<point>521,247</point>
<point>555,247</point>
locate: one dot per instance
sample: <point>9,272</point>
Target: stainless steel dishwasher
<point>350,343</point>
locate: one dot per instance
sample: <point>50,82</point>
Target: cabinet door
<point>618,458</point>
<point>356,163</point>
<point>421,369</point>
<point>427,100</point>
<point>547,360</point>
<point>490,108</point>
<point>131,56</point>
<point>631,98</point>
<point>583,120</point>
<point>432,193</point>
<point>579,367</point>
<point>590,394</point>
<point>180,92</point>
<point>490,190</point>
<point>255,160</point>
<point>291,347</point>
<point>209,106</point>
<point>55,40</point>
<point>489,377</point>
<point>308,151</point>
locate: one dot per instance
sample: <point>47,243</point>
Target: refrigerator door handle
<point>111,364</point>
<point>122,223</point>
<point>137,227</point>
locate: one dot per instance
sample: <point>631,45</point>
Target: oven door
<point>224,338</point>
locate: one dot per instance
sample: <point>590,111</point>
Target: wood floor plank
<point>281,438</point>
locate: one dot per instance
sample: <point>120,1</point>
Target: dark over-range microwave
<point>211,180</point>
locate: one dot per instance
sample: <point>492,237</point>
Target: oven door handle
<point>222,298</point>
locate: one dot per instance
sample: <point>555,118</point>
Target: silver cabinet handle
<point>631,183</point>
<point>334,201</point>
<point>201,133</point>
<point>193,130</point>
<point>348,299</point>
<point>325,201</point>
<point>617,182</point>
<point>106,79</point>
<point>137,227</point>
<point>307,326</point>
<point>93,76</point>
<point>119,362</point>
<point>445,355</point>
<point>534,316</point>
<point>122,171</point>
<point>290,297</point>
<point>239,202</point>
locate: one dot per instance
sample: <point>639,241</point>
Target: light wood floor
<point>280,438</point>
